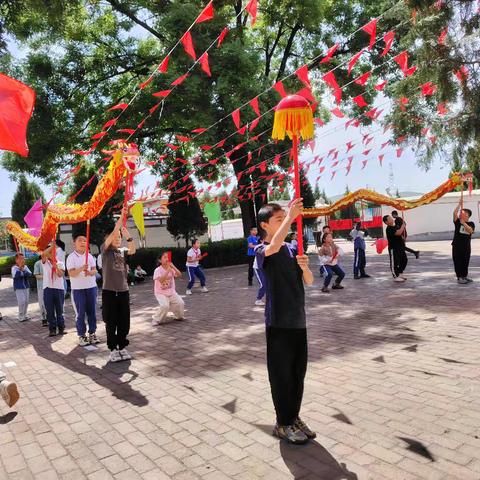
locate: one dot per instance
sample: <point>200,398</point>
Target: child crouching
<point>164,287</point>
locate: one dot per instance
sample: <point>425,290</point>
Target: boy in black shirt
<point>398,223</point>
<point>461,245</point>
<point>286,330</point>
<point>396,248</point>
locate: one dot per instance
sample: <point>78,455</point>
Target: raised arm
<point>277,241</point>
<point>456,212</point>
<point>109,239</point>
<point>130,243</point>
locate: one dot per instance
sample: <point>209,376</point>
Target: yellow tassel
<point>293,121</point>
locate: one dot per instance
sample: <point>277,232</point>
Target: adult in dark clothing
<point>398,223</point>
<point>396,248</point>
<point>461,245</point>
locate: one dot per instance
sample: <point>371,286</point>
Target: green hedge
<point>220,254</point>
<point>6,264</point>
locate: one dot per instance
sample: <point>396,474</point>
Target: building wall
<point>435,221</point>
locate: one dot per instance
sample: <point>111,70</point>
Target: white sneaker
<point>93,339</point>
<point>115,356</point>
<point>125,354</point>
<point>9,392</point>
<point>188,292</point>
<point>155,322</point>
<point>204,289</point>
<point>399,279</point>
<point>259,302</point>
<point>83,341</point>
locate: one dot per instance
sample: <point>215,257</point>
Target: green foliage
<point>25,196</point>
<point>220,254</point>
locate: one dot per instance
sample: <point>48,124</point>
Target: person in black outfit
<point>461,245</point>
<point>286,330</point>
<point>396,248</point>
<point>398,223</point>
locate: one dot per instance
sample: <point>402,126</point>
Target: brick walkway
<point>393,386</point>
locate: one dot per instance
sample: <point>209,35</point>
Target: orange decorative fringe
<point>379,199</point>
<point>293,121</point>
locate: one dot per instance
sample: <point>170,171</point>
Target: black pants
<point>116,315</point>
<point>359,262</point>
<point>251,259</point>
<point>287,354</point>
<point>410,250</point>
<point>398,261</point>
<point>461,259</point>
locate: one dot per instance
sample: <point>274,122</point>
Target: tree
<point>86,181</point>
<point>186,218</point>
<point>25,196</point>
<point>316,193</point>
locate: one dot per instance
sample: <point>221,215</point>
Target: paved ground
<point>393,386</point>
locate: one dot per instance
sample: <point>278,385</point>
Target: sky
<point>407,175</point>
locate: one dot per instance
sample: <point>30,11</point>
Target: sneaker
<point>93,339</point>
<point>188,292</point>
<point>259,302</point>
<point>365,276</point>
<point>27,319</point>
<point>291,434</point>
<point>399,279</point>
<point>61,330</point>
<point>125,354</point>
<point>337,286</point>
<point>305,429</point>
<point>155,322</point>
<point>1,317</point>
<point>469,280</point>
<point>115,356</point>
<point>250,283</point>
<point>462,281</point>
<point>83,341</point>
<point>23,319</point>
<point>9,392</point>
<point>179,319</point>
<point>356,277</point>
<point>325,290</point>
<point>44,323</point>
<point>417,255</point>
<point>204,290</point>
<point>52,333</point>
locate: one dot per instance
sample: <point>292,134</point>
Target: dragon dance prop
<point>294,117</point>
<point>122,168</point>
<point>379,199</point>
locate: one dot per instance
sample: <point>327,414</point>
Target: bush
<point>6,264</point>
<point>220,254</point>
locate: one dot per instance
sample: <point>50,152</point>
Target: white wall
<point>227,230</point>
<point>435,220</point>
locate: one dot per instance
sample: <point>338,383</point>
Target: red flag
<point>199,130</point>
<point>145,83</point>
<point>187,43</point>
<point>364,163</point>
<point>360,101</point>
<point>163,68</point>
<point>366,152</point>
<point>441,109</point>
<point>254,124</point>
<point>443,36</point>
<point>362,79</point>
<point>380,159</point>
<point>280,89</point>
<point>252,8</point>
<point>207,14</point>
<point>306,93</point>
<point>222,36</point>
<point>236,118</point>
<point>242,130</point>
<point>162,93</point>
<point>371,113</point>
<point>402,60</point>
<point>399,152</point>
<point>462,74</point>
<point>379,87</point>
<point>330,80</point>
<point>329,54</point>
<point>388,39</point>
<point>302,74</point>
<point>254,105</point>
<point>98,135</point>
<point>337,112</point>
<point>319,122</point>
<point>204,64</point>
<point>349,146</point>
<point>120,106</point>
<point>371,29</point>
<point>354,60</point>
<point>152,110</point>
<point>182,138</point>
<point>111,122</point>
<point>130,131</point>
<point>180,80</point>
<point>428,88</point>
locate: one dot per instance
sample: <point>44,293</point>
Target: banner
<point>137,214</point>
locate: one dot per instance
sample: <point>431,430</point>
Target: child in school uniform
<point>194,255</point>
<point>330,254</point>
<point>164,287</point>
<point>286,331</point>
<point>20,274</point>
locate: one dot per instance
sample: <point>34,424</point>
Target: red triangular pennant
<point>302,74</point>
<point>163,68</point>
<point>388,39</point>
<point>329,54</point>
<point>280,89</point>
<point>120,106</point>
<point>236,117</point>
<point>254,105</point>
<point>203,60</point>
<point>371,29</point>
<point>353,61</point>
<point>207,14</point>
<point>180,80</point>
<point>252,8</point>
<point>222,36</point>
<point>360,101</point>
<point>362,79</point>
<point>162,93</point>
<point>187,43</point>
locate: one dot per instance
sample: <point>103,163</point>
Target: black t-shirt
<point>461,238</point>
<point>394,241</point>
<point>285,299</point>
